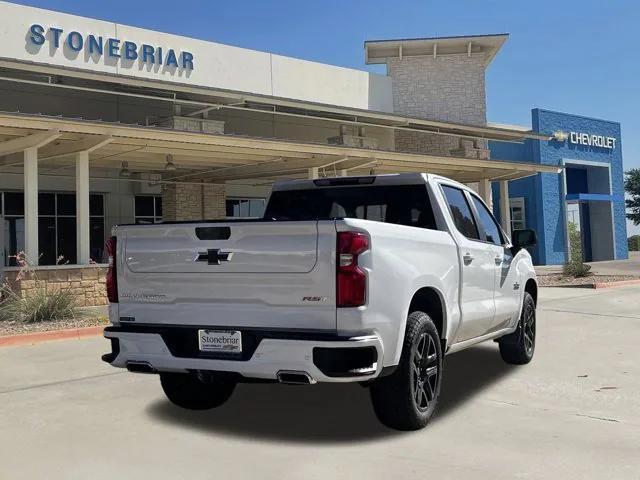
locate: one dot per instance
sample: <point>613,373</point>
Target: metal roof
<point>198,98</point>
<point>378,51</point>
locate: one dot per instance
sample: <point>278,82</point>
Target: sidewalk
<point>612,267</point>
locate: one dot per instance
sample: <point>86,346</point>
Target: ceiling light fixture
<point>170,166</point>
<point>125,172</point>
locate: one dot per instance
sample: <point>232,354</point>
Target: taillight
<point>351,280</point>
<point>112,274</point>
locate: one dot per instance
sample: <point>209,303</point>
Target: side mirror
<point>523,239</point>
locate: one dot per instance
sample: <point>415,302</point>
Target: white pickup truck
<point>351,279</point>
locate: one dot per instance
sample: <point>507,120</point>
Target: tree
<point>632,187</point>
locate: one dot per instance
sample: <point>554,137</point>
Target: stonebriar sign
<point>51,41</point>
<point>111,47</point>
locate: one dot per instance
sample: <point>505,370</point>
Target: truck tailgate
<point>229,274</point>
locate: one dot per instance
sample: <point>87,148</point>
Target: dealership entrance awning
<point>223,157</point>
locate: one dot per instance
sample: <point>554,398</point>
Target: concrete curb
<point>39,337</point>
<point>621,283</point>
<point>597,285</point>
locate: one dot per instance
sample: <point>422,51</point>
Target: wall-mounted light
<point>124,171</point>
<point>170,166</point>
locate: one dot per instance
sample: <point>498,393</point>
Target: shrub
<point>38,305</point>
<point>634,243</point>
<point>575,267</point>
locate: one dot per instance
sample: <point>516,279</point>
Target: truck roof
<point>386,179</point>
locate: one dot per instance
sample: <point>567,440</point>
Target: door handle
<point>467,258</point>
<point>498,259</point>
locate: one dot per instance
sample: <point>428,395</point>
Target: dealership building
<point>103,124</point>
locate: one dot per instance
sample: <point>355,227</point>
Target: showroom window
<point>245,207</point>
<point>56,227</point>
<point>148,209</point>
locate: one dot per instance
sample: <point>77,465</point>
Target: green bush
<point>634,243</point>
<point>37,306</point>
<point>575,267</point>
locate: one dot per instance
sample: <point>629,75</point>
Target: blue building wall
<point>525,187</point>
<point>544,205</point>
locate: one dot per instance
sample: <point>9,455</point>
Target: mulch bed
<point>17,328</point>
<point>558,280</point>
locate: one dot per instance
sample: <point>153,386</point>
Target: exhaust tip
<point>294,378</point>
<point>140,367</point>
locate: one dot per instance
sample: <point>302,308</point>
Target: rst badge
<point>314,299</point>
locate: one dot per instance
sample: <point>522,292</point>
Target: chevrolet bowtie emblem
<point>213,256</point>
<point>560,136</point>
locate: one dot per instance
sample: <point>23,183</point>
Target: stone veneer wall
<point>181,201</point>
<point>86,283</point>
<point>448,88</point>
<point>214,201</point>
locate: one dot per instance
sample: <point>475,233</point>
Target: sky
<point>580,56</point>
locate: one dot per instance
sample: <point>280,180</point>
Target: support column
<point>484,190</point>
<point>31,249</point>
<point>82,208</point>
<point>505,208</point>
<point>314,172</point>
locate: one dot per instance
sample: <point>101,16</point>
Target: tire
<point>407,399</point>
<point>188,391</point>
<point>518,347</point>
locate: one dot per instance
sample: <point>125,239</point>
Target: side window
<point>491,229</point>
<point>461,212</point>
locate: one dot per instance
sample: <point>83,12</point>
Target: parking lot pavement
<point>574,412</point>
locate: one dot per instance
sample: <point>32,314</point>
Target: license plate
<point>223,341</point>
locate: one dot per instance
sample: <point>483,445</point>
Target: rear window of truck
<point>398,204</point>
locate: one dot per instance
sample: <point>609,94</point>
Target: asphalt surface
<point>574,412</point>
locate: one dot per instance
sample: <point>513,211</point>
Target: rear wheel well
<point>428,300</point>
<point>531,287</point>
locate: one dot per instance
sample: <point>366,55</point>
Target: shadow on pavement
<point>328,413</point>
<point>468,373</point>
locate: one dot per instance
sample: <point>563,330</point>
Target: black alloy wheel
<point>425,371</point>
<point>518,347</point>
<point>407,398</point>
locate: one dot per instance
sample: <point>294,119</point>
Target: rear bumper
<point>325,358</point>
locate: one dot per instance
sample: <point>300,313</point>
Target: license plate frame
<point>219,341</point>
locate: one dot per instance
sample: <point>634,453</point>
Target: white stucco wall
<point>215,65</point>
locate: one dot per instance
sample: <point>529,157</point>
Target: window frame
<point>155,218</point>
<point>517,202</point>
<point>427,202</point>
<point>246,199</point>
<point>55,216</point>
<point>504,239</point>
<point>471,210</point>
<point>12,216</point>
